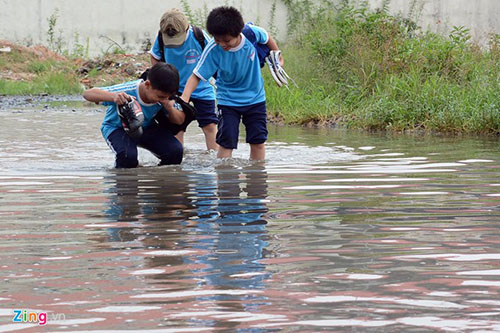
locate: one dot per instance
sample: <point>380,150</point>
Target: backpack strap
<point>161,45</point>
<point>198,34</point>
<point>262,49</point>
<point>248,32</point>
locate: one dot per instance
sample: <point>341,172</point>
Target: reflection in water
<point>153,198</point>
<point>233,235</point>
<point>205,233</point>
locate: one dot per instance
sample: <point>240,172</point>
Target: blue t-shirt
<point>185,58</point>
<point>112,120</point>
<point>239,80</point>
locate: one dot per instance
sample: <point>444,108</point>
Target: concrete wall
<point>127,22</point>
<point>130,23</point>
<point>482,17</point>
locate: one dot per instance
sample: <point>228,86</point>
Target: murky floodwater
<point>338,231</point>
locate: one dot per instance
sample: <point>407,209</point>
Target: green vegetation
<point>48,83</point>
<point>56,42</point>
<point>195,17</point>
<point>37,71</point>
<point>355,67</point>
<point>368,69</point>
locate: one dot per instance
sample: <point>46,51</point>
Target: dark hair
<point>164,77</point>
<point>225,21</point>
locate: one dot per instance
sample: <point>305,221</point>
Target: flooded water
<point>336,231</point>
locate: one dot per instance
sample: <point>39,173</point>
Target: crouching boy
<point>162,83</point>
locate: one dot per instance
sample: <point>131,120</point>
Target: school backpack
<point>262,49</point>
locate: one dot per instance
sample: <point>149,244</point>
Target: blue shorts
<point>158,141</point>
<point>205,112</point>
<point>254,118</point>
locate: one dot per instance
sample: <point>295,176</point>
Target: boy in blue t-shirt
<point>152,95</point>
<point>182,48</point>
<point>240,87</point>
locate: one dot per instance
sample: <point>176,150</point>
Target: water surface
<point>337,230</point>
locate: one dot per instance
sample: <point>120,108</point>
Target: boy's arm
<point>153,60</point>
<point>97,95</point>
<point>263,37</point>
<point>175,115</point>
<point>155,52</point>
<point>271,44</point>
<point>191,85</point>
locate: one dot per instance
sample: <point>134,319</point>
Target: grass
<point>52,83</point>
<point>371,70</point>
<point>37,72</point>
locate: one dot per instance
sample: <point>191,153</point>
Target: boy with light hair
<point>181,45</point>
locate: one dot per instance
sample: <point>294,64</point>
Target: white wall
<point>482,17</point>
<point>130,22</point>
<point>127,22</point>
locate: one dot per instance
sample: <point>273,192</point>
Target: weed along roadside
<point>355,67</point>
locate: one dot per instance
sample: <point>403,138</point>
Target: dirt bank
<point>26,64</point>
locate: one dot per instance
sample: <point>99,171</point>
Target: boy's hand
<point>188,108</point>
<point>184,98</point>
<point>121,98</point>
<point>167,103</point>
<point>175,115</point>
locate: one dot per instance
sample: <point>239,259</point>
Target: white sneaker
<point>275,56</point>
<point>278,72</point>
<point>273,72</point>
